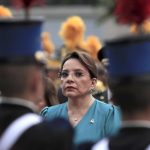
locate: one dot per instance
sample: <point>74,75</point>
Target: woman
<point>92,119</point>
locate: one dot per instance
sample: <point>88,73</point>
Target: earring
<point>92,91</point>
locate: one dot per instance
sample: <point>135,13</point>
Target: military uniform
<point>128,138</point>
<point>130,82</point>
<point>54,135</point>
<point>19,41</point>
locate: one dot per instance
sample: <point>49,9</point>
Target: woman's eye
<point>64,74</point>
<point>78,74</point>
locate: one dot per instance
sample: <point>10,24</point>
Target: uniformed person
<point>129,81</point>
<point>21,87</point>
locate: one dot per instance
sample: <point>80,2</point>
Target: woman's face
<point>75,79</point>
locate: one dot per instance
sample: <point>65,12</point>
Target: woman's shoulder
<point>111,114</point>
<point>52,110</point>
<point>105,107</point>
<point>102,104</point>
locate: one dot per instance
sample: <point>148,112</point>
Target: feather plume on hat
<point>137,14</point>
<point>47,44</point>
<point>5,12</point>
<point>48,50</point>
<point>121,51</point>
<point>92,45</point>
<point>72,32</point>
<point>145,27</point>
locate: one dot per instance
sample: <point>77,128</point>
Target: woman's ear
<point>94,81</point>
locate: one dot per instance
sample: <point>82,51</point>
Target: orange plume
<point>5,12</point>
<point>145,27</point>
<point>47,43</point>
<point>93,45</point>
<point>72,32</point>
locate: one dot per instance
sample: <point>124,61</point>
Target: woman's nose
<point>70,76</point>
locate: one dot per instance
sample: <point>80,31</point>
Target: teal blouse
<point>101,120</point>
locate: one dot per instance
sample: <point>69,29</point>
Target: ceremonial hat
<point>129,55</point>
<point>20,39</point>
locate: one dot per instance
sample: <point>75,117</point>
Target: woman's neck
<point>80,103</point>
<point>77,108</point>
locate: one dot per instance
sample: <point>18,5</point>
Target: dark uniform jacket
<point>54,135</point>
<point>131,138</point>
<point>128,138</point>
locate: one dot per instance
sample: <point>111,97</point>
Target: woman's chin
<point>70,94</point>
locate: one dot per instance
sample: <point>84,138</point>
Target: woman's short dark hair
<point>86,60</point>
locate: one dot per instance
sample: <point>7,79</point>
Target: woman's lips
<point>70,88</point>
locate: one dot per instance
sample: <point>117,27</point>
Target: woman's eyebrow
<point>81,70</point>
